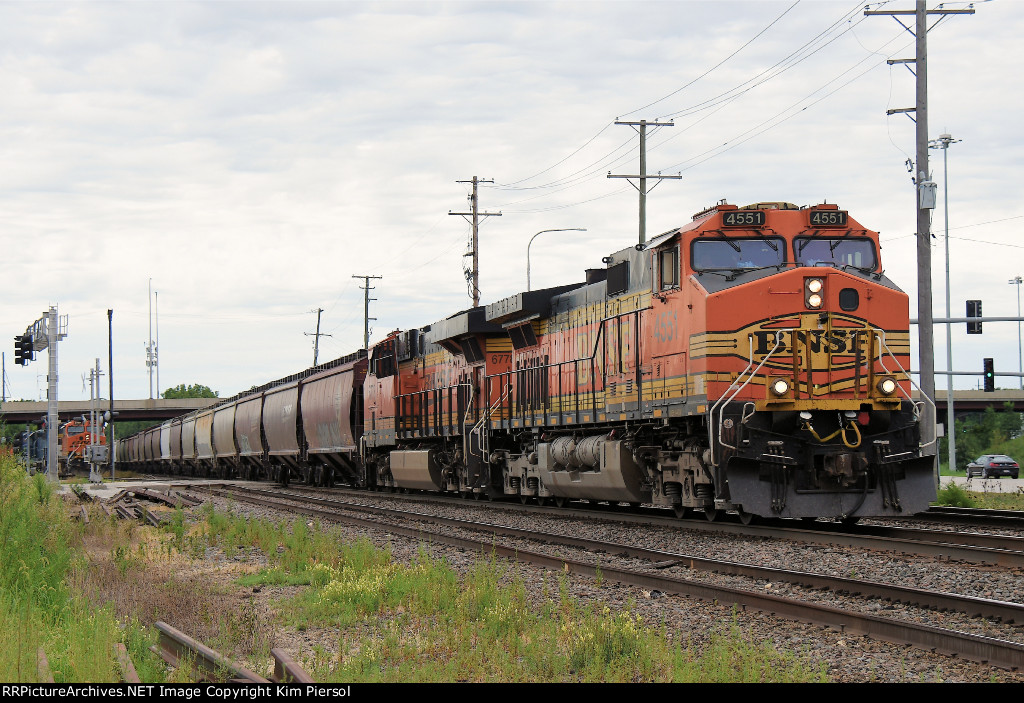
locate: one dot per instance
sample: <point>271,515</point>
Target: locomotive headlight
<point>813,288</point>
<point>780,387</point>
<point>887,386</point>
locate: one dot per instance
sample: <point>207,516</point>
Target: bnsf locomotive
<point>753,361</point>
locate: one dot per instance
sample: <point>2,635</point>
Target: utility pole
<point>643,175</point>
<point>316,336</point>
<point>94,454</point>
<point>366,307</point>
<point>150,347</point>
<point>473,275</point>
<point>156,346</point>
<point>925,195</point>
<point>943,142</point>
<point>110,378</point>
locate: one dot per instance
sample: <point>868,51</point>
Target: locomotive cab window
<point>668,268</point>
<point>857,252</point>
<point>736,254</point>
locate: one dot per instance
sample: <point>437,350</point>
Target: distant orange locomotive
<point>74,439</point>
<point>753,361</point>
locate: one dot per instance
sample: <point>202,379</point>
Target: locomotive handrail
<point>917,405</point>
<point>576,405</point>
<point>484,417</point>
<point>727,398</point>
<point>735,387</point>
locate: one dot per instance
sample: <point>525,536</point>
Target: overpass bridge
<point>973,401</point>
<point>154,409</point>
<point>158,409</point>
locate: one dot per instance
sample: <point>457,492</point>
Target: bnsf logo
<point>832,342</point>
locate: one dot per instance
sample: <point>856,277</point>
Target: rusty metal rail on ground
<point>175,646</point>
<point>1001,653</point>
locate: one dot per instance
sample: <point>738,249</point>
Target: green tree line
<point>980,433</point>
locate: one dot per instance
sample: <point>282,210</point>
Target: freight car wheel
<point>747,518</point>
<point>561,502</point>
<point>711,514</point>
<point>680,511</point>
<point>524,499</point>
<point>542,501</point>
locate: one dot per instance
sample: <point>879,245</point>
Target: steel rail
<point>1000,653</point>
<point>970,605</point>
<point>981,516</point>
<point>287,670</point>
<point>175,646</point>
<point>979,548</point>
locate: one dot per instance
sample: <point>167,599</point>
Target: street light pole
<point>564,229</point>
<point>943,143</point>
<point>1020,359</point>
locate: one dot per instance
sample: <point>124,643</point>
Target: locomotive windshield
<point>735,253</point>
<point>840,251</point>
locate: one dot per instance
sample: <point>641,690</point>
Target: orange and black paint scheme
<point>755,360</point>
<point>74,438</point>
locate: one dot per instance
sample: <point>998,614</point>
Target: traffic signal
<point>990,376</point>
<point>23,349</point>
<point>27,350</point>
<point>973,310</point>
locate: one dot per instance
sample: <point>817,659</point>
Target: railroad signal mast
<point>43,335</point>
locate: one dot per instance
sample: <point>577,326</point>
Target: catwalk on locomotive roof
<point>754,360</point>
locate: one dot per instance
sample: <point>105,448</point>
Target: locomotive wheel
<point>680,511</point>
<point>711,514</point>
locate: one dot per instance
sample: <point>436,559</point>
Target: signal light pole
<point>1020,359</point>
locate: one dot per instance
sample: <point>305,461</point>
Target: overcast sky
<point>250,158</point>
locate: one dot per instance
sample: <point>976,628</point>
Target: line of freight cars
<point>753,360</point>
<point>304,427</point>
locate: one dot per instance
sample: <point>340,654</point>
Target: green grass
<point>37,609</point>
<point>425,622</point>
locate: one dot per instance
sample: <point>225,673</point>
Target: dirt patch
<point>136,571</point>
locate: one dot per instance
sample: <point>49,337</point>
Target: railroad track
<point>996,652</point>
<point>977,516</point>
<point>971,547</point>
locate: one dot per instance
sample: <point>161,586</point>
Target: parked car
<point>989,465</point>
